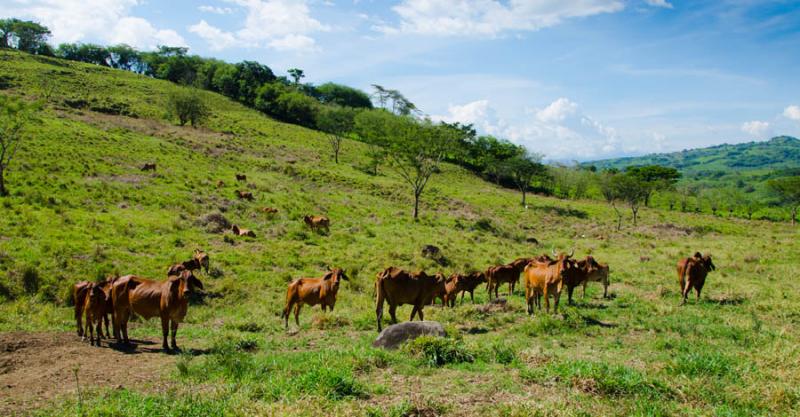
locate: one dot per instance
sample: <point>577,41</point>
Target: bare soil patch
<point>38,367</point>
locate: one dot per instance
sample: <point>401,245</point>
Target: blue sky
<point>572,79</point>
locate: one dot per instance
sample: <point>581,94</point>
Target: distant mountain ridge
<point>777,154</point>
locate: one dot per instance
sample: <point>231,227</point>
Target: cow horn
<point>571,252</point>
<point>553,250</point>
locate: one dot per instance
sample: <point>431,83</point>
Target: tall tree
<point>25,35</point>
<point>342,95</point>
<point>336,122</point>
<point>188,107</point>
<point>654,178</point>
<point>15,115</point>
<point>296,74</point>
<point>788,190</point>
<point>609,191</point>
<point>374,127</point>
<point>522,169</point>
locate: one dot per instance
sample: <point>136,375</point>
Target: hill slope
<point>80,208</point>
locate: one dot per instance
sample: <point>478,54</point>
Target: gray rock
<point>395,335</point>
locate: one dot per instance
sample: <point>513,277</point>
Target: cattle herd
<point>544,276</point>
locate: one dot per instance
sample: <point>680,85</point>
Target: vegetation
<point>15,115</point>
<point>188,107</point>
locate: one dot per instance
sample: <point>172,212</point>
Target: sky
<point>570,79</point>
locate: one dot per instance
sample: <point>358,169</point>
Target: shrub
<point>187,107</point>
<point>438,351</point>
<point>30,280</point>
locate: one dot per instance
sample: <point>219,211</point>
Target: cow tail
<point>289,296</point>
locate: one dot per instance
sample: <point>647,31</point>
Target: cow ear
<point>328,275</point>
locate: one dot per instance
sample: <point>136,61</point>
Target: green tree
<point>522,169</point>
<point>655,178</point>
<point>608,189</point>
<point>336,122</point>
<point>626,188</point>
<point>296,74</point>
<point>27,36</point>
<point>15,115</point>
<point>188,107</point>
<point>373,127</point>
<point>342,95</point>
<point>788,191</point>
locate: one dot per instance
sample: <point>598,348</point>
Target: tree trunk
<point>523,196</point>
<point>416,205</point>
<point>3,191</point>
<point>635,213</point>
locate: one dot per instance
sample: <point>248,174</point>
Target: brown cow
<point>469,282</point>
<point>242,232</point>
<point>241,177</point>
<point>599,274</point>
<point>312,291</point>
<point>168,300</point>
<point>244,195</point>
<point>547,278</point>
<point>269,210</point>
<point>199,260</point>
<point>398,287</point>
<point>96,300</point>
<point>692,273</point>
<point>497,275</point>
<point>586,268</point>
<point>450,291</point>
<point>148,167</point>
<point>317,223</point>
<point>79,292</point>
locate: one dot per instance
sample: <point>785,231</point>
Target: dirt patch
<point>38,367</point>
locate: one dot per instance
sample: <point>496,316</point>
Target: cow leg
<point>99,331</point>
<point>569,294</point>
<point>605,290</point>
<point>379,315</point>
<point>472,296</point>
<point>697,290</point>
<point>392,312</point>
<point>528,299</point>
<point>546,301</point>
<point>79,318</point>
<point>584,290</point>
<point>413,312</point>
<point>164,332</point>
<point>174,328</point>
<point>124,327</point>
<point>685,292</point>
<point>556,297</point>
<point>297,314</point>
<point>419,312</point>
<point>285,315</point>
<point>87,330</point>
<point>106,320</point>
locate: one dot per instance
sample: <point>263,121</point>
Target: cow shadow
<point>138,347</point>
<point>589,321</point>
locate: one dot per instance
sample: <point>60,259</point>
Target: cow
<point>468,283</point>
<point>148,167</point>
<point>692,273</point>
<point>312,291</point>
<point>168,300</point>
<point>244,195</point>
<point>450,291</point>
<point>547,278</point>
<point>199,260</point>
<point>397,287</point>
<point>241,177</point>
<point>79,292</point>
<point>599,274</point>
<point>242,232</point>
<point>497,275</point>
<point>317,223</point>
<point>586,269</point>
<point>94,308</point>
<point>269,210</point>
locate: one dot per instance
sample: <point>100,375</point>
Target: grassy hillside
<point>80,208</point>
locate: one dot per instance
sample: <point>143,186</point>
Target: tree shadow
<point>564,212</point>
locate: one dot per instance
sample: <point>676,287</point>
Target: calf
<point>449,292</point>
<point>584,269</point>
<point>545,279</point>
<point>242,232</point>
<point>244,195</point>
<point>79,293</point>
<point>199,260</point>
<point>497,275</point>
<point>241,177</point>
<point>312,291</point>
<point>692,273</point>
<point>468,283</point>
<point>95,310</point>
<point>148,167</point>
<point>397,287</point>
<point>599,274</point>
<point>168,300</point>
<point>317,223</point>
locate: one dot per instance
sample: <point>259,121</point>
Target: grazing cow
<point>599,273</point>
<point>241,177</point>
<point>692,273</point>
<point>398,287</point>
<point>199,260</point>
<point>79,293</point>
<point>242,232</point>
<point>168,300</point>
<point>148,167</point>
<point>547,278</point>
<point>244,195</point>
<point>312,291</point>
<point>269,210</point>
<point>317,223</point>
<point>96,300</point>
<point>586,269</point>
<point>497,275</point>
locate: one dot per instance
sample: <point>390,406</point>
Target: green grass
<point>80,209</point>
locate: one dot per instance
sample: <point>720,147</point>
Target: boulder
<point>397,334</point>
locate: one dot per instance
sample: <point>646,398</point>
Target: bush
<point>438,351</point>
<point>187,107</point>
<point>30,280</point>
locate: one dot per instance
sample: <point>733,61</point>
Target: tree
<point>655,178</point>
<point>336,122</point>
<point>373,127</point>
<point>400,104</point>
<point>788,190</point>
<point>626,188</point>
<point>15,115</point>
<point>609,191</point>
<point>522,169</point>
<point>188,107</point>
<point>296,74</point>
<point>342,95</point>
<point>27,36</point>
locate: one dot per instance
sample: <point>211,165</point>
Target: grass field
<point>80,209</point>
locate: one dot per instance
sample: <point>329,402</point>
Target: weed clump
<point>439,351</point>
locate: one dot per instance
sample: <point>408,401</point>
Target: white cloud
<point>490,17</point>
<point>659,3</point>
<point>792,112</point>
<point>559,130</point>
<point>87,20</point>
<point>216,38</point>
<point>215,9</point>
<point>756,128</point>
<point>280,24</point>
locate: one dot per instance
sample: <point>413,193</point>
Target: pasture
<point>80,209</point>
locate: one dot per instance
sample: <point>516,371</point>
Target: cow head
<point>202,259</point>
<point>707,263</point>
<point>185,283</point>
<point>335,275</point>
<point>480,276</point>
<point>96,294</point>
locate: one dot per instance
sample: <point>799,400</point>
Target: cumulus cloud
<point>756,128</point>
<point>279,24</point>
<point>81,20</point>
<point>490,17</point>
<point>559,130</point>
<point>792,112</point>
<point>659,3</point>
